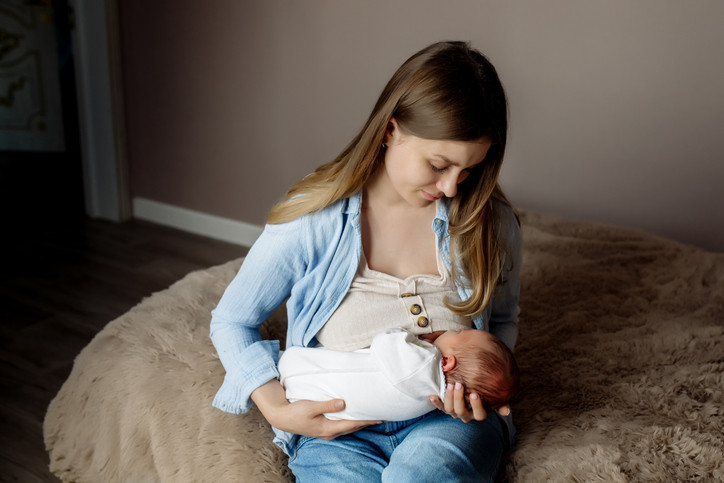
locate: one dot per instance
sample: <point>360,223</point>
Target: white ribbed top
<point>377,301</point>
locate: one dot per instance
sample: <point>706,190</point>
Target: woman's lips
<point>429,196</point>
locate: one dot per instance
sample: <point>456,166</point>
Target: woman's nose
<point>448,184</point>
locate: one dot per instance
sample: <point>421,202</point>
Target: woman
<point>407,227</point>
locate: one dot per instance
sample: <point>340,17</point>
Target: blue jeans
<point>434,447</point>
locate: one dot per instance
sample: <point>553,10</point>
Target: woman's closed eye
<point>438,169</point>
<point>442,169</point>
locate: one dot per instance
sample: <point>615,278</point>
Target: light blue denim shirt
<point>311,262</point>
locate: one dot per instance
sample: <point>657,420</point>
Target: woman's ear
<point>391,131</point>
<point>448,363</point>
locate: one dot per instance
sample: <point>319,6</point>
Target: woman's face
<point>423,170</point>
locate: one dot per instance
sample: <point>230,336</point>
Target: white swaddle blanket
<point>391,381</point>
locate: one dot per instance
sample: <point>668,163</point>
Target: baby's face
<point>451,340</point>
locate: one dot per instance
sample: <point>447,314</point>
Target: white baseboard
<point>216,227</point>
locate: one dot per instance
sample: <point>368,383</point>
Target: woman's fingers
<point>437,403</point>
<point>455,404</point>
<point>331,406</point>
<point>476,404</point>
<point>450,400</point>
<point>458,407</point>
<point>335,428</point>
<point>461,409</point>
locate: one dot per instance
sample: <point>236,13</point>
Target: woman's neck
<point>379,194</point>
<point>378,191</point>
<point>396,236</point>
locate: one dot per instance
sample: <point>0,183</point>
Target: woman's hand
<point>305,418</point>
<point>456,406</point>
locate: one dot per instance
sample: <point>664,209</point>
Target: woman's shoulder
<point>322,219</point>
<point>333,214</point>
<point>505,211</point>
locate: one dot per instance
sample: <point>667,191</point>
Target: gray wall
<point>617,107</point>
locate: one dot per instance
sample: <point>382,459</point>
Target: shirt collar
<point>442,207</point>
<point>354,204</point>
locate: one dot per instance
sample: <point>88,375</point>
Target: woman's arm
<point>272,266</point>
<point>504,306</point>
<point>303,417</point>
<point>503,321</point>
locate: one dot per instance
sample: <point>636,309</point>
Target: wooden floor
<point>59,286</point>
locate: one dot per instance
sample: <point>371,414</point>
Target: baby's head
<point>482,363</point>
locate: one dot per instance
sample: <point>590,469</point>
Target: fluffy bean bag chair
<point>620,346</point>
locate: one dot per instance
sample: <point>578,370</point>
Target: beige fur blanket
<point>621,346</point>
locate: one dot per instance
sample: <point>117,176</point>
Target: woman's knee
<point>448,450</point>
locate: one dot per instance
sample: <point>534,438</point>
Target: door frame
<point>101,117</point>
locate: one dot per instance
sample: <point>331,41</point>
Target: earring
<point>384,145</point>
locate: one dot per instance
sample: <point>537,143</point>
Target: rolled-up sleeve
<point>265,279</point>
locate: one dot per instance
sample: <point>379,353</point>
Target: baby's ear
<point>448,363</point>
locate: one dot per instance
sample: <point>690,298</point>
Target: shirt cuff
<point>234,396</point>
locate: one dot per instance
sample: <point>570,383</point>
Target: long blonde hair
<point>447,91</point>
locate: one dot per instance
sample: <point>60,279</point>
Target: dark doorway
<point>41,174</point>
